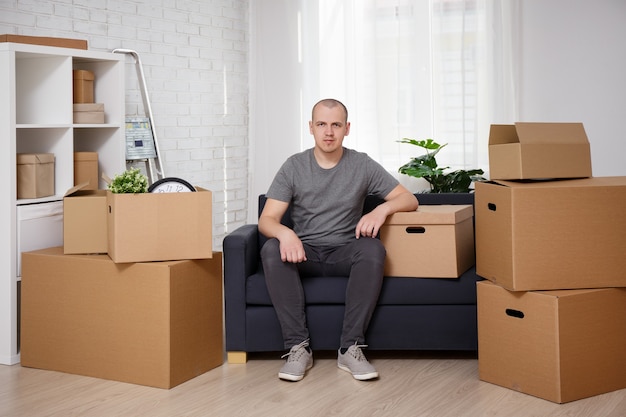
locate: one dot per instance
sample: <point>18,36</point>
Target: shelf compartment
<point>43,89</point>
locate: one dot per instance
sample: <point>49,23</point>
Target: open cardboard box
<point>159,226</point>
<point>84,220</point>
<point>539,151</point>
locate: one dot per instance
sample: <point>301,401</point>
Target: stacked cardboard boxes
<point>550,241</point>
<point>134,294</point>
<point>86,110</point>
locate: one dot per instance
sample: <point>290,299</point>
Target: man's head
<point>329,125</point>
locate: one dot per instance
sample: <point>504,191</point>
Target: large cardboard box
<point>85,221</point>
<point>546,235</point>
<point>558,345</point>
<point>47,41</point>
<point>159,226</point>
<point>539,151</point>
<point>86,170</point>
<point>35,175</point>
<point>157,323</point>
<point>436,241</point>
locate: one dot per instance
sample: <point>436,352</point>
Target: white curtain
<point>440,69</point>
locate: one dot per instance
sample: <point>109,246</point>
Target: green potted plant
<point>440,181</point>
<point>131,181</point>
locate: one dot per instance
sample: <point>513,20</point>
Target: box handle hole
<point>514,313</point>
<point>491,206</point>
<point>416,229</point>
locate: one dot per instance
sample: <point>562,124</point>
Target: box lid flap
<point>538,133</point>
<point>76,188</point>
<point>35,158</point>
<point>433,214</point>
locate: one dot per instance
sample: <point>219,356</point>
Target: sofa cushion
<point>395,290</point>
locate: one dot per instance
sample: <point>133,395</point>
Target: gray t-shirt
<point>326,204</point>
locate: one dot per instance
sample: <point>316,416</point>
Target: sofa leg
<point>237,357</point>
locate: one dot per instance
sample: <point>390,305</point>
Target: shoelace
<point>357,353</point>
<point>296,351</point>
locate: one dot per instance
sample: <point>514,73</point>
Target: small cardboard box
<point>83,86</point>
<point>557,345</point>
<point>159,226</point>
<point>85,113</point>
<point>539,151</point>
<point>157,324</point>
<point>85,221</point>
<point>86,170</point>
<point>436,241</point>
<point>35,175</point>
<point>46,41</point>
<point>548,235</point>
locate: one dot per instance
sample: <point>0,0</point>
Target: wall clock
<point>171,185</point>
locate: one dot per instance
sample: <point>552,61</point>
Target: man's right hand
<point>291,249</point>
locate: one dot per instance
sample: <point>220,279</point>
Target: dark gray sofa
<point>412,314</point>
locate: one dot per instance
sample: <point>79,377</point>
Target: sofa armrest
<point>241,259</point>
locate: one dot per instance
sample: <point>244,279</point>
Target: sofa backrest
<point>371,202</point>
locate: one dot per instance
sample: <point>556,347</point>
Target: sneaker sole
<point>360,377</point>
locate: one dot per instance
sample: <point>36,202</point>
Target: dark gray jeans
<point>362,261</point>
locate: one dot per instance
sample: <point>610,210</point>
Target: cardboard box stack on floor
<point>134,294</point>
<point>550,242</point>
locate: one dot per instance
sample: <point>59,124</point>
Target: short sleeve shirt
<point>326,204</point>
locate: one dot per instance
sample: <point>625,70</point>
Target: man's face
<point>329,127</point>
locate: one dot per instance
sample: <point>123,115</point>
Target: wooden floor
<point>410,385</point>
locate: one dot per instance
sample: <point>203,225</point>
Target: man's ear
<point>311,127</point>
<point>347,128</point>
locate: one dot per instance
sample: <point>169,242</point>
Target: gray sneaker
<point>354,361</point>
<point>299,360</point>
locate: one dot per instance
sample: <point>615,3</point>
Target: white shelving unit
<point>36,116</point>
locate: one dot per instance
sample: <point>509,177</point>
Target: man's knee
<point>270,249</point>
<point>371,248</point>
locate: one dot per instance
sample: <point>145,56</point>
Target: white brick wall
<point>195,60</point>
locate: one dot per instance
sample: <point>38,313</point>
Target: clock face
<point>171,185</point>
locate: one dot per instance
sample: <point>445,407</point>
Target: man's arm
<point>399,199</point>
<point>291,249</point>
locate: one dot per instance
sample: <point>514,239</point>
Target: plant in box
<point>426,166</point>
<point>131,181</point>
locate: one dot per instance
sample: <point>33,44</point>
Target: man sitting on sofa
<point>326,187</point>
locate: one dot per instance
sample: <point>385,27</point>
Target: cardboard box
<point>85,113</point>
<point>539,151</point>
<point>159,226</point>
<point>83,86</point>
<point>557,345</point>
<point>548,235</point>
<point>85,221</point>
<point>86,170</point>
<point>436,241</point>
<point>157,324</point>
<point>35,175</point>
<point>46,41</point>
